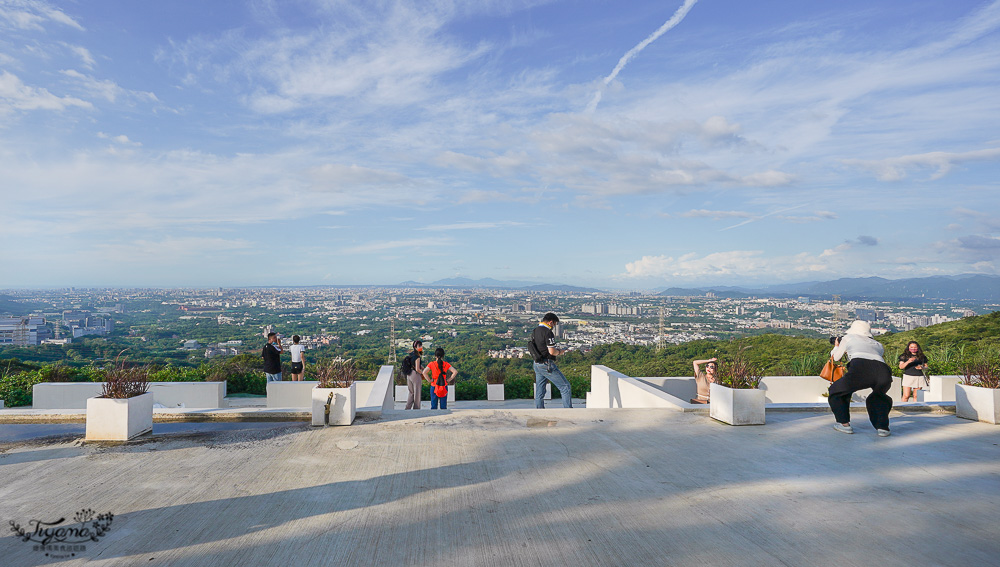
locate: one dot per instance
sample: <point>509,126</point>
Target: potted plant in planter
<point>495,377</point>
<point>977,397</point>
<point>734,396</point>
<point>125,407</point>
<point>334,401</point>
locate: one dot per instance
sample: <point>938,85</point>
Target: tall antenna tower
<point>392,339</point>
<point>21,333</point>
<point>661,340</point>
<point>838,316</point>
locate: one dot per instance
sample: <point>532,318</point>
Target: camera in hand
<point>833,340</point>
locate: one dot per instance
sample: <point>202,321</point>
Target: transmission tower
<point>838,316</point>
<point>392,339</point>
<point>661,340</point>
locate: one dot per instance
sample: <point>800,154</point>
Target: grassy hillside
<point>947,345</point>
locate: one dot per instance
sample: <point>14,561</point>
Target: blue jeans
<point>273,377</point>
<point>549,371</point>
<point>435,398</point>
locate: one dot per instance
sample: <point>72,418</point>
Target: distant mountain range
<point>501,284</point>
<point>967,287</point>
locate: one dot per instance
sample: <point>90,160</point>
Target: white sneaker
<point>843,428</point>
<point>884,433</point>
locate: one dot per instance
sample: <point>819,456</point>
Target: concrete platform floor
<point>522,487</point>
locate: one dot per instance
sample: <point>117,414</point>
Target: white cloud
<point>769,178</point>
<point>15,95</point>
<point>338,178</point>
<point>83,53</point>
<point>32,14</point>
<point>169,249</point>
<point>896,169</point>
<point>413,244</point>
<point>716,215</point>
<point>121,139</point>
<point>468,225</point>
<point>106,89</point>
<point>751,264</point>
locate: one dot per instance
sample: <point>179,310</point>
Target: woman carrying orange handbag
<point>865,369</point>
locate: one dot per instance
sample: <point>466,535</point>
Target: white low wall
<point>378,397</point>
<point>612,389</point>
<point>73,395</point>
<point>681,388</point>
<point>287,394</point>
<point>793,389</point>
<point>64,395</point>
<point>941,389</point>
<point>189,394</point>
<point>372,396</point>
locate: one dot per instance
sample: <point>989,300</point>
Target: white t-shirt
<point>296,351</point>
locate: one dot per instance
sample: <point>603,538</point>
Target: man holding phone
<point>272,357</point>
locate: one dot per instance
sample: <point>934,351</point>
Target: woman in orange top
<point>439,373</point>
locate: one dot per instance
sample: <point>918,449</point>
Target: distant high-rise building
<point>23,331</point>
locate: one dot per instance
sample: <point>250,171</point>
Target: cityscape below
<point>194,324</point>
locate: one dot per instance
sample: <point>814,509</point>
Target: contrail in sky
<point>673,21</point>
<point>757,218</point>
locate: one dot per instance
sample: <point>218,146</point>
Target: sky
<point>621,145</point>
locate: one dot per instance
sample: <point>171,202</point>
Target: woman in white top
<point>865,369</point>
<point>298,363</point>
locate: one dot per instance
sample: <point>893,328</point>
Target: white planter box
<point>977,403</point>
<point>110,419</point>
<point>548,390</point>
<point>494,392</point>
<point>402,392</point>
<point>736,407</point>
<point>343,405</point>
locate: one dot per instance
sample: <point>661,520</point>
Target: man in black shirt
<point>545,367</point>
<point>272,358</point>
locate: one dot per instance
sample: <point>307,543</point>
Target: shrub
<point>247,383</point>
<point>15,389</point>
<point>739,372</point>
<point>335,373</point>
<point>123,381</point>
<point>58,373</point>
<point>983,372</point>
<point>496,375</point>
<point>472,389</point>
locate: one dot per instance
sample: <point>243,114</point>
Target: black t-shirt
<point>272,359</point>
<point>912,370</point>
<point>544,338</point>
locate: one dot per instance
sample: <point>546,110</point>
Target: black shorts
<point>297,368</point>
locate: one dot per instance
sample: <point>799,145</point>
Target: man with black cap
<point>544,341</point>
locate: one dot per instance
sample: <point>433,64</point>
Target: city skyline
<point>636,146</point>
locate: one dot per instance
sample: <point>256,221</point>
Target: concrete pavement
<point>522,487</point>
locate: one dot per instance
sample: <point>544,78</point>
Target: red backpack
<point>440,384</point>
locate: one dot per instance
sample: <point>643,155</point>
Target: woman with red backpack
<point>439,373</point>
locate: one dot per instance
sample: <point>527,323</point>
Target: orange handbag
<point>832,371</point>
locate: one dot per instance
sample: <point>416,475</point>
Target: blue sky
<point>615,144</point>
